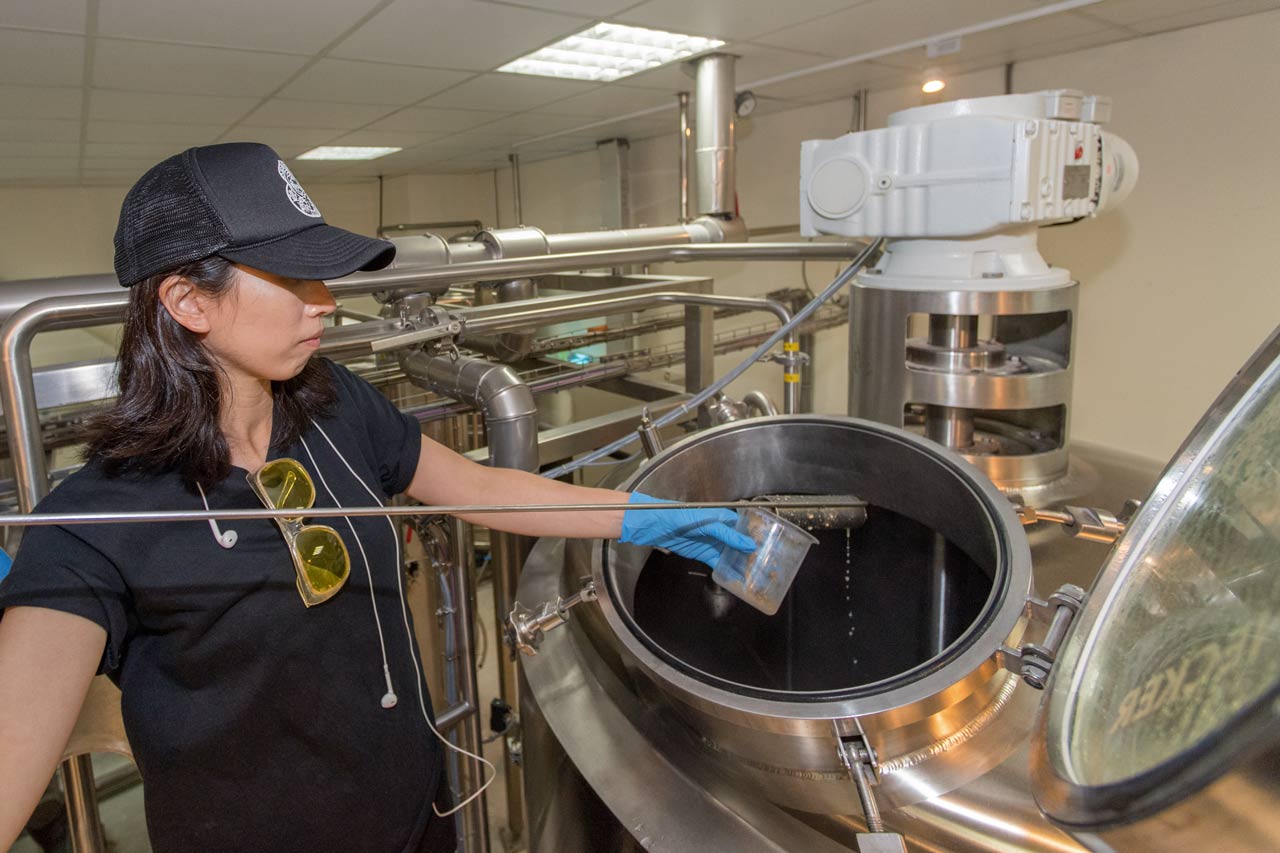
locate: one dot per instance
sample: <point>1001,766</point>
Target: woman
<point>258,721</point>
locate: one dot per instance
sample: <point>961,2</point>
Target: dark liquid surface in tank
<point>866,604</point>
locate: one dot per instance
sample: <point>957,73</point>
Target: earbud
<point>227,539</point>
<point>389,699</point>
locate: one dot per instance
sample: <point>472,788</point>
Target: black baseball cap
<point>238,200</point>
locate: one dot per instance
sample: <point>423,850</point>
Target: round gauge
<point>745,104</point>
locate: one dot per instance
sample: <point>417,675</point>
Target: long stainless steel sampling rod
<point>136,517</point>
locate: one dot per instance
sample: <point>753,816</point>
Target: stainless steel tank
<point>890,632</point>
<point>692,729</point>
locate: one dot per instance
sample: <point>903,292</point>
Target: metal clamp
<point>415,335</point>
<point>525,628</point>
<point>1090,523</point>
<point>859,759</point>
<point>1034,661</point>
<point>790,359</point>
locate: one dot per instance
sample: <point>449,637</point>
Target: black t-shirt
<point>255,721</point>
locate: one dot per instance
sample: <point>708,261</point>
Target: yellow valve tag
<point>791,377</point>
<point>791,346</point>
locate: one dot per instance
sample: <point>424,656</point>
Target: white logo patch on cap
<point>297,195</point>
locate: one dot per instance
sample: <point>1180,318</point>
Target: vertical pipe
<point>791,376</point>
<point>699,354</point>
<point>714,125</point>
<point>938,622</point>
<point>859,122</point>
<point>475,817</point>
<point>511,426</point>
<point>514,159</point>
<point>949,426</point>
<point>84,826</point>
<point>685,133</point>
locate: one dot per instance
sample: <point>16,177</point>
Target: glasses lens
<point>324,558</point>
<point>287,484</point>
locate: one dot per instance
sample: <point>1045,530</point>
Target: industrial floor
<point>122,814</point>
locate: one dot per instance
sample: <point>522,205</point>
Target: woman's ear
<point>183,301</point>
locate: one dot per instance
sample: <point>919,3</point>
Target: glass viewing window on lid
<point>1190,634</point>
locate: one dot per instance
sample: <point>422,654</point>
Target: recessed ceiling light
<point>933,81</point>
<point>347,152</point>
<point>609,52</point>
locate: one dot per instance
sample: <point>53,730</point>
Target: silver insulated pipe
<point>714,130</point>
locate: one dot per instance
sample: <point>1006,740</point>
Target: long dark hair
<point>166,415</point>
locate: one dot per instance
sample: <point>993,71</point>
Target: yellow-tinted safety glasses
<point>319,555</point>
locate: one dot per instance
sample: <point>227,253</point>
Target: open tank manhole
<point>867,604</point>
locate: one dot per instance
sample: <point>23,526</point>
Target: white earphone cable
<point>422,701</point>
<point>389,699</point>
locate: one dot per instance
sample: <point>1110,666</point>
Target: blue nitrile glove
<point>5,563</point>
<point>699,534</point>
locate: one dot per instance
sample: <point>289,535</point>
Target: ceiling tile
<point>434,120</point>
<point>118,105</point>
<point>41,59</point>
<point>455,34</point>
<point>508,92</point>
<point>189,70</point>
<point>370,82</point>
<point>65,15</point>
<point>281,138</point>
<point>837,83</point>
<point>1197,13</point>
<point>611,100</point>
<point>39,130</point>
<point>279,112</point>
<point>183,135</point>
<point>40,149</point>
<point>437,150</point>
<point>388,138</point>
<point>727,19</point>
<point>754,62</point>
<point>526,125</point>
<point>284,27</point>
<point>885,23</point>
<point>33,102</point>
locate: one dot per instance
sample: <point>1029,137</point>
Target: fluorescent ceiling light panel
<point>609,52</point>
<point>347,152</point>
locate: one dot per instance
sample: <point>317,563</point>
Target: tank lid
<point>1171,675</point>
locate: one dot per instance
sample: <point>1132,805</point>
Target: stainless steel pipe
<point>511,425</point>
<point>15,295</point>
<point>685,131</point>
<point>716,118</point>
<point>475,817</point>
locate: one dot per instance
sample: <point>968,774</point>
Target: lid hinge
<point>1034,661</point>
<point>859,759</point>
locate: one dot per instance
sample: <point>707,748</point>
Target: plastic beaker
<point>763,577</point>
